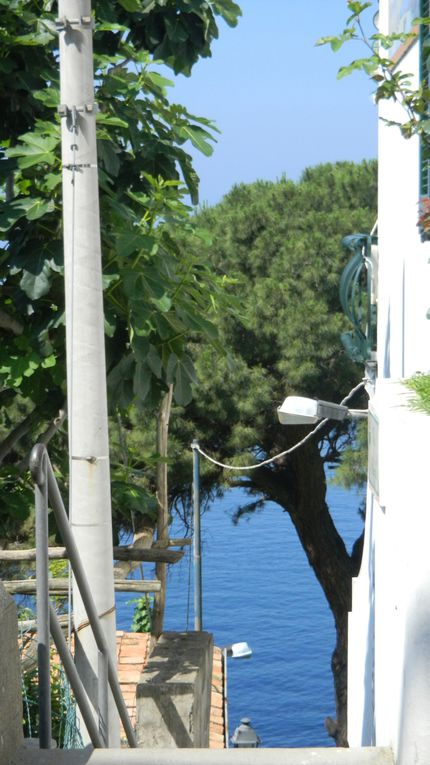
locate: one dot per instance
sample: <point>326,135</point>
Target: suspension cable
<point>287,451</point>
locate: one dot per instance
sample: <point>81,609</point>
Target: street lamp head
<point>297,410</point>
<point>239,651</point>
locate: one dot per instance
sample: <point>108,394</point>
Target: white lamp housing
<point>239,651</point>
<point>297,410</point>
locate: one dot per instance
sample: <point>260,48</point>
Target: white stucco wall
<point>389,629</point>
<point>389,626</point>
<point>361,631</point>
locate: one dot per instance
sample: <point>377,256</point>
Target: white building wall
<point>361,631</point>
<point>404,270</point>
<point>389,626</point>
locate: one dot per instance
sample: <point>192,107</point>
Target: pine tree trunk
<point>299,486</point>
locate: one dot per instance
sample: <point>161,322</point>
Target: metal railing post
<point>197,547</point>
<point>74,680</point>
<point>38,455</point>
<point>103,696</point>
<point>42,596</point>
<point>87,598</point>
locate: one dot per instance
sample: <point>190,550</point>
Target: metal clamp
<point>79,166</point>
<point>65,25</point>
<point>90,108</point>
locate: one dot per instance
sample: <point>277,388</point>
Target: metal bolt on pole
<point>197,546</point>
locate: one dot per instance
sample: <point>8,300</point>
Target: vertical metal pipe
<point>38,459</point>
<point>90,607</point>
<point>103,697</point>
<point>42,595</point>
<point>74,680</point>
<point>197,546</point>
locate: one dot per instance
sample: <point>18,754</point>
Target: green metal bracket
<point>355,293</point>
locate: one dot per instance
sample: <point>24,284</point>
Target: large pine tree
<point>282,242</point>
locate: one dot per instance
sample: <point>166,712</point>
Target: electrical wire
<point>287,451</point>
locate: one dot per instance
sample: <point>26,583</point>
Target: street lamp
<point>238,650</point>
<point>245,737</point>
<point>297,410</point>
<point>235,651</point>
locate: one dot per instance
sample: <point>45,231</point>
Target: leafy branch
<point>419,384</point>
<point>158,296</point>
<point>391,83</point>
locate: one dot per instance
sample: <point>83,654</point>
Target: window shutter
<point>424,75</point>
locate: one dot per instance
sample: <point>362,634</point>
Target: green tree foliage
<point>142,615</point>
<point>60,702</point>
<point>419,384</point>
<point>282,243</point>
<point>351,473</point>
<point>155,294</point>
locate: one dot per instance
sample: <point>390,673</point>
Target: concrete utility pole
<point>90,500</point>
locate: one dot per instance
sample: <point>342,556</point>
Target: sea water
<point>258,587</point>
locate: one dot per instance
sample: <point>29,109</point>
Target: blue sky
<point>275,96</point>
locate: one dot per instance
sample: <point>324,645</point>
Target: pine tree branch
<point>45,438</point>
<point>10,323</point>
<point>17,433</point>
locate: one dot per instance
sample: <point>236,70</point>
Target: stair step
<point>323,756</point>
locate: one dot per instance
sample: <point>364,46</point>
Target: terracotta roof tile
<point>217,724</point>
<point>133,649</point>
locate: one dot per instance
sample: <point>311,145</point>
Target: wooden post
<point>163,508</point>
<point>61,586</point>
<point>149,554</point>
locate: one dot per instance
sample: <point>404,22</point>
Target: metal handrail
<point>46,490</point>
